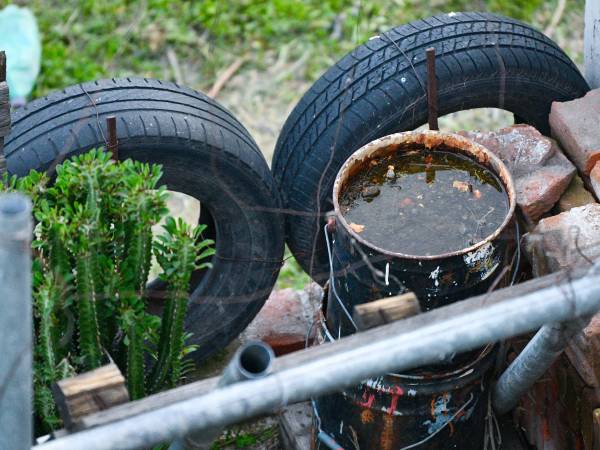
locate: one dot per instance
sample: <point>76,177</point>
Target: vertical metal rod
<point>432,92</point>
<point>535,359</point>
<point>16,333</point>
<point>2,66</point>
<point>4,109</point>
<point>113,143</point>
<point>591,43</point>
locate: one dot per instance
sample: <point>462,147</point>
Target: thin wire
<point>332,280</point>
<point>461,409</point>
<point>518,261</point>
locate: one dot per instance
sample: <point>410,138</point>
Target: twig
<point>225,76</point>
<point>175,67</point>
<point>558,13</point>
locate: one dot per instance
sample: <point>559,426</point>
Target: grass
<point>194,41</point>
<point>87,39</point>
<point>245,439</point>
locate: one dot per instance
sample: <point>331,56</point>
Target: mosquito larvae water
<point>424,203</point>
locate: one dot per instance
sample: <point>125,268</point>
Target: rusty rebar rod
<point>113,143</point>
<point>432,92</point>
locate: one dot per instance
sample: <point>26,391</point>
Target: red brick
<point>283,322</point>
<point>595,178</point>
<point>584,353</point>
<point>575,125</point>
<point>575,195</point>
<point>566,240</point>
<point>540,170</point>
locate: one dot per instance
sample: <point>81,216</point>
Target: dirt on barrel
<point>421,202</point>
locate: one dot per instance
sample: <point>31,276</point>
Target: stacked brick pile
<point>558,185</point>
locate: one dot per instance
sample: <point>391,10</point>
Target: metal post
<point>432,90</point>
<point>15,322</point>
<point>591,43</point>
<point>423,339</point>
<point>253,360</point>
<point>535,359</point>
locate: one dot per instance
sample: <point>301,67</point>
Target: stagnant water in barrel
<point>424,203</point>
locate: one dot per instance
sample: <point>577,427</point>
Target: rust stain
<point>367,416</point>
<point>451,426</point>
<point>386,440</point>
<point>447,278</point>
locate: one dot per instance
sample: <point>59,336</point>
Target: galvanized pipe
<point>15,322</point>
<point>251,361</point>
<point>348,361</point>
<point>535,359</point>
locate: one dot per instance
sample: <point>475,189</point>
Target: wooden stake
<point>88,393</point>
<point>432,94</point>
<point>386,310</point>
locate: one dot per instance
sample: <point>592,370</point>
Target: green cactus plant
<point>93,250</point>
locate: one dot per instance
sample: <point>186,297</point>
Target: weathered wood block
<point>386,310</point>
<point>88,393</point>
<point>295,425</point>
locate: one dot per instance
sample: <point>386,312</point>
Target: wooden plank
<point>89,392</point>
<point>386,310</point>
<point>295,425</point>
<point>294,359</point>
<point>591,43</point>
<point>149,403</point>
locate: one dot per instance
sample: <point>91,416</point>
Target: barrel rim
<point>429,139</point>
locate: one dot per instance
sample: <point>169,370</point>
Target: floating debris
<point>424,202</point>
<point>390,172</point>
<point>357,228</point>
<point>462,186</point>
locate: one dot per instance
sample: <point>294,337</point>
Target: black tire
<point>483,60</point>
<point>205,152</point>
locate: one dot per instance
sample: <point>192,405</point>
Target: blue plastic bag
<point>20,39</point>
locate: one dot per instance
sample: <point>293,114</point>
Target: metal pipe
<point>423,339</point>
<point>252,360</point>
<point>535,359</point>
<point>15,322</point>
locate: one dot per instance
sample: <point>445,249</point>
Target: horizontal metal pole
<point>420,340</point>
<point>198,388</point>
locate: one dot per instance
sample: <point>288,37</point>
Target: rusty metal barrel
<point>363,272</point>
<point>439,407</point>
<point>423,409</point>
